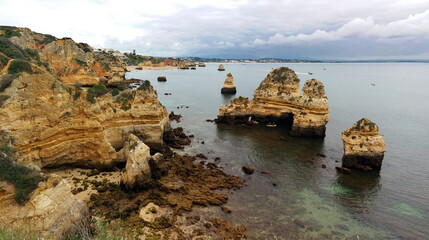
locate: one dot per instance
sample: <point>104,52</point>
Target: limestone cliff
<point>52,211</point>
<point>278,99</point>
<point>363,147</point>
<point>70,61</point>
<point>56,124</point>
<point>228,86</point>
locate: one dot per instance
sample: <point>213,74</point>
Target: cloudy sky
<point>320,29</point>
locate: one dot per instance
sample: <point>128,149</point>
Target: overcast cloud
<point>323,29</point>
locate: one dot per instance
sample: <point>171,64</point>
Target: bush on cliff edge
<point>24,179</point>
<point>19,66</point>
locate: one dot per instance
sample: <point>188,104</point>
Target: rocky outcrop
<point>363,147</point>
<point>52,211</point>
<point>70,61</point>
<point>55,124</point>
<point>228,86</point>
<point>137,170</point>
<point>162,79</point>
<point>278,99</point>
<point>221,68</point>
<point>201,64</point>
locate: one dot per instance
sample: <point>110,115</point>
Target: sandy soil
<point>133,68</point>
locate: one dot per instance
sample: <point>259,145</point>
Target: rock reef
<point>278,99</point>
<point>228,86</point>
<point>363,147</point>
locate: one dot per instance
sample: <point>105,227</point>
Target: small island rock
<point>363,147</point>
<point>228,86</point>
<point>162,79</point>
<point>221,68</point>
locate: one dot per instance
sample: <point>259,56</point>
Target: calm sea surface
<point>310,202</point>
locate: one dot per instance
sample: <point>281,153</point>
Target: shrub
<point>6,80</point>
<point>145,85</point>
<point>95,92</point>
<point>122,87</point>
<point>11,50</point>
<point>80,62</point>
<point>19,66</point>
<point>115,92</point>
<point>76,95</point>
<point>9,31</point>
<point>34,54</point>
<point>47,39</point>
<point>24,179</point>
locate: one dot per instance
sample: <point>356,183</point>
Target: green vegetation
<point>78,86</point>
<point>24,179</point>
<point>145,85</point>
<point>76,95</point>
<point>115,92</point>
<point>34,54</point>
<point>134,60</point>
<point>95,92</point>
<point>80,62</point>
<point>85,47</point>
<point>47,39</point>
<point>9,31</point>
<point>6,80</point>
<point>19,66</point>
<point>7,233</point>
<point>11,50</point>
<point>122,87</point>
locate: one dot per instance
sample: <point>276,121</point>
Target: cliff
<point>363,147</point>
<point>228,86</point>
<point>278,99</point>
<point>70,61</point>
<point>55,123</point>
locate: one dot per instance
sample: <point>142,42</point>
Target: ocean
<point>311,202</point>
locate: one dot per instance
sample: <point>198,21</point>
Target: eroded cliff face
<point>278,99</point>
<point>363,147</point>
<point>55,124</point>
<point>52,211</point>
<point>70,61</point>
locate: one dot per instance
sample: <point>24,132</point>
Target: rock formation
<point>162,79</point>
<point>137,170</point>
<point>54,123</point>
<point>70,61</point>
<point>201,64</point>
<point>228,86</point>
<point>221,68</point>
<point>277,99</point>
<point>363,147</point>
<point>52,211</point>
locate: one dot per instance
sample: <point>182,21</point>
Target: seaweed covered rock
<point>363,147</point>
<point>278,99</point>
<point>228,86</point>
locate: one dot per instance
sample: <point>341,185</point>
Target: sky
<point>307,29</point>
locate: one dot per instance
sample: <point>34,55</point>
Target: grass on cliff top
<point>9,31</point>
<point>95,92</point>
<point>11,50</point>
<point>24,179</point>
<point>18,66</point>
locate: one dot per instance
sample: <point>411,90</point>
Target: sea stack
<point>278,99</point>
<point>201,64</point>
<point>363,147</point>
<point>221,68</point>
<point>162,79</point>
<point>228,86</point>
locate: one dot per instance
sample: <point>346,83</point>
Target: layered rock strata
<point>56,124</point>
<point>228,86</point>
<point>363,147</point>
<point>278,99</point>
<point>52,211</point>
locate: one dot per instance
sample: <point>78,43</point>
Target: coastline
<point>133,68</point>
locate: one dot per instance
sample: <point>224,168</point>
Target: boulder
<point>162,79</point>
<point>201,64</point>
<point>363,147</point>
<point>228,86</point>
<point>221,68</point>
<point>137,170</point>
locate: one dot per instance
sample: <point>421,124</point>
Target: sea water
<point>311,202</point>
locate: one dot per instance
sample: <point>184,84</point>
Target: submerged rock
<point>247,169</point>
<point>162,79</point>
<point>228,86</point>
<point>221,68</point>
<point>363,147</point>
<point>278,99</point>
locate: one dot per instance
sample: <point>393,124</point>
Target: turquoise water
<point>310,202</point>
